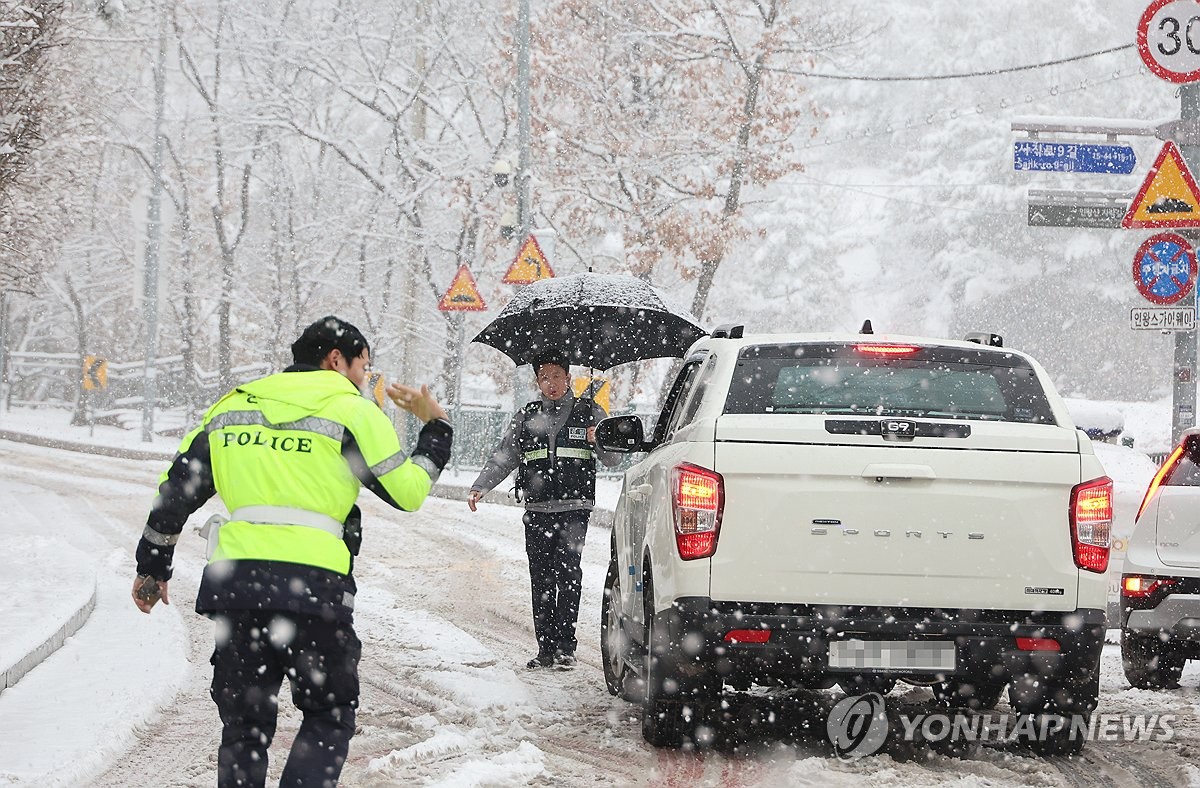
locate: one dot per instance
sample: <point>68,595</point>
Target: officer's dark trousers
<point>254,651</point>
<point>554,543</point>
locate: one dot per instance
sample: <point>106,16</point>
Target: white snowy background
<point>906,211</point>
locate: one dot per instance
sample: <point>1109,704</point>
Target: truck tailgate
<point>850,519</point>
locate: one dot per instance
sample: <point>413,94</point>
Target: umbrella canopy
<point>595,320</point>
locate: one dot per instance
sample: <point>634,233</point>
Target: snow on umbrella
<point>595,320</point>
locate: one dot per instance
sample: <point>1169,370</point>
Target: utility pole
<point>1183,384</point>
<point>524,220</point>
<point>153,233</point>
<point>409,369</point>
<point>524,211</point>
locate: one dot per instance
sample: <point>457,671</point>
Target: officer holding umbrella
<point>595,320</point>
<point>551,443</point>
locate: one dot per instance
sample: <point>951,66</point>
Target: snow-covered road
<point>443,613</point>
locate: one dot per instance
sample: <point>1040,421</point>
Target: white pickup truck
<point>856,509</point>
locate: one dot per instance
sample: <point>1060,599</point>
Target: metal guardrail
<point>55,380</point>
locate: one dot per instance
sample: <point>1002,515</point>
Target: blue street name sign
<point>1039,156</point>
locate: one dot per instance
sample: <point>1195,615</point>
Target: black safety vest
<point>567,474</point>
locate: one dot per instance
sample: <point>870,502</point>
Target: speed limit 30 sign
<point>1168,39</point>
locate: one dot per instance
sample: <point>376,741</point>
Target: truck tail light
<point>1091,523</point>
<point>1138,587</point>
<point>1163,473</point>
<point>697,504</point>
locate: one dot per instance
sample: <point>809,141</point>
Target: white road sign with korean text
<point>1163,318</point>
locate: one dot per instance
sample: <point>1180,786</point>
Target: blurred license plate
<point>891,655</point>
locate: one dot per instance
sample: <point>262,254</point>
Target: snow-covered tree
<point>663,117</point>
<point>29,33</point>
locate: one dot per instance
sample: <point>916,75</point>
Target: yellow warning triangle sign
<point>377,386</point>
<point>529,266</point>
<point>1168,197</point>
<point>595,389</point>
<point>463,295</point>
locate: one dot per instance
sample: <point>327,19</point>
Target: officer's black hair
<point>550,357</point>
<point>325,335</point>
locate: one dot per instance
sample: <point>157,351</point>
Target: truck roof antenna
<point>866,329</point>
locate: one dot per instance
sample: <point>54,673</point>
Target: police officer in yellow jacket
<point>288,454</point>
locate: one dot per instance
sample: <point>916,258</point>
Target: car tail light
<point>747,636</point>
<point>697,504</point>
<point>1163,473</point>
<point>1137,586</point>
<point>1038,644</point>
<point>886,350</point>
<point>1091,523</point>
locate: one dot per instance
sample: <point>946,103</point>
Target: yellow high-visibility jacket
<point>287,454</point>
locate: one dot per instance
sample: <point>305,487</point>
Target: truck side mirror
<point>620,434</point>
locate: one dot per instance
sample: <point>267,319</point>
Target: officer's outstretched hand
<point>418,402</point>
<point>473,498</point>
<point>147,591</point>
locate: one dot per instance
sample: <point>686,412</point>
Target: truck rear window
<point>934,382</point>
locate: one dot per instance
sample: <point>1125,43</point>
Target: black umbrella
<point>595,320</point>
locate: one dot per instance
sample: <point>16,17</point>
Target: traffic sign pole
<point>1183,387</point>
<point>461,320</point>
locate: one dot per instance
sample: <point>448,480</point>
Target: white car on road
<point>856,509</point>
<point>1160,581</point>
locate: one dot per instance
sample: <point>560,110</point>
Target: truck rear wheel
<point>674,708</point>
<point>1060,723</point>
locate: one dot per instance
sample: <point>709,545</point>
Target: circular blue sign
<point>1164,268</point>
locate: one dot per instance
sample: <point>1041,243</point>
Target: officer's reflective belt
<point>246,418</point>
<point>537,454</point>
<point>287,515</point>
<point>575,454</point>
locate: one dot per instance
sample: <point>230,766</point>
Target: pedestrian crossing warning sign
<point>1168,197</point>
<point>463,295</point>
<point>529,266</point>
